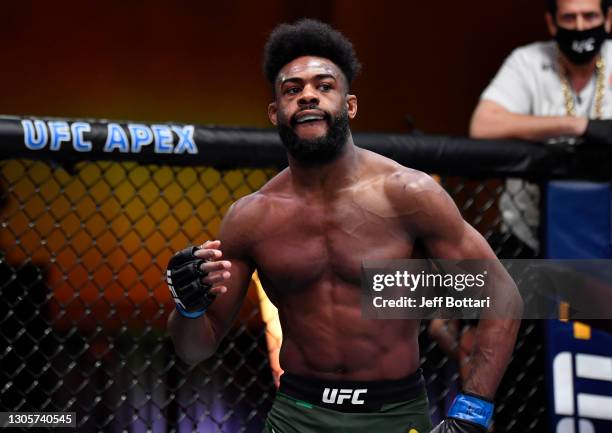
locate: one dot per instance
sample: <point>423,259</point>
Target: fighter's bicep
<point>235,247</point>
<point>449,236</point>
<point>465,244</point>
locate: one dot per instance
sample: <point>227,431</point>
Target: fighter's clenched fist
<point>196,276</point>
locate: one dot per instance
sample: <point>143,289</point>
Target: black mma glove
<point>184,277</point>
<point>468,414</point>
<point>598,132</point>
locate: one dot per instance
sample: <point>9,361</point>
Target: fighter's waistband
<point>352,396</point>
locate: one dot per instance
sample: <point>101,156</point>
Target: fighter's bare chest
<point>305,243</point>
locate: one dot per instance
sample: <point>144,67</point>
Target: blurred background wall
<point>200,61</point>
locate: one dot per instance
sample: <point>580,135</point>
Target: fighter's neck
<point>328,177</point>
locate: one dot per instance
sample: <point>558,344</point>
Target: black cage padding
<point>224,147</point>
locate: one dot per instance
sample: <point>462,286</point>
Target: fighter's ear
<point>608,20</point>
<point>351,105</point>
<point>550,23</point>
<point>272,113</point>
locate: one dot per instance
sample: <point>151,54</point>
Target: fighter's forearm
<point>493,348</point>
<point>446,334</point>
<point>194,339</point>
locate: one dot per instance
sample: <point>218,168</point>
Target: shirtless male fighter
<point>307,232</point>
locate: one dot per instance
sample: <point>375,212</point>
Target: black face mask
<point>580,46</point>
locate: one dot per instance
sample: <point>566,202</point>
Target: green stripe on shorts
<point>301,403</point>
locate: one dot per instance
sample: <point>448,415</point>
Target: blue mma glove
<point>468,414</point>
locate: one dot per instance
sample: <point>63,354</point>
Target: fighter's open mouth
<point>309,118</point>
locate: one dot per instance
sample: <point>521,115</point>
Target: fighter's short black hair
<point>308,37</point>
<point>551,6</point>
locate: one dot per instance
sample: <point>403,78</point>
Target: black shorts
<point>307,405</point>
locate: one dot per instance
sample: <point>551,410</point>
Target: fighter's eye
<point>292,90</point>
<point>325,87</point>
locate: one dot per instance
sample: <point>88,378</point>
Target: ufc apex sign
<point>339,396</point>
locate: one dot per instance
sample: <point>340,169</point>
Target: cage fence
<point>83,248</point>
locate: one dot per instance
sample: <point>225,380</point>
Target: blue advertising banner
<point>580,380</point>
<point>579,357</point>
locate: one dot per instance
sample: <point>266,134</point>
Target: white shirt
<point>529,82</point>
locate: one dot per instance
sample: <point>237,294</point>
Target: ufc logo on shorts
<point>339,396</point>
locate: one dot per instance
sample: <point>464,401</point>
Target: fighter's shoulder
<point>244,208</point>
<point>379,165</point>
<point>421,200</point>
<point>256,204</point>
<point>397,180</point>
<point>404,183</point>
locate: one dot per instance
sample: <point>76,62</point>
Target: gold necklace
<point>570,108</point>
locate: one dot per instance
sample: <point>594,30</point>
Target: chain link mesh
<point>84,304</point>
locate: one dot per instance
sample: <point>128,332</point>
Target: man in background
<point>547,91</point>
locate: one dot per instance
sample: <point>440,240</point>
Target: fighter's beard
<point>319,150</point>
